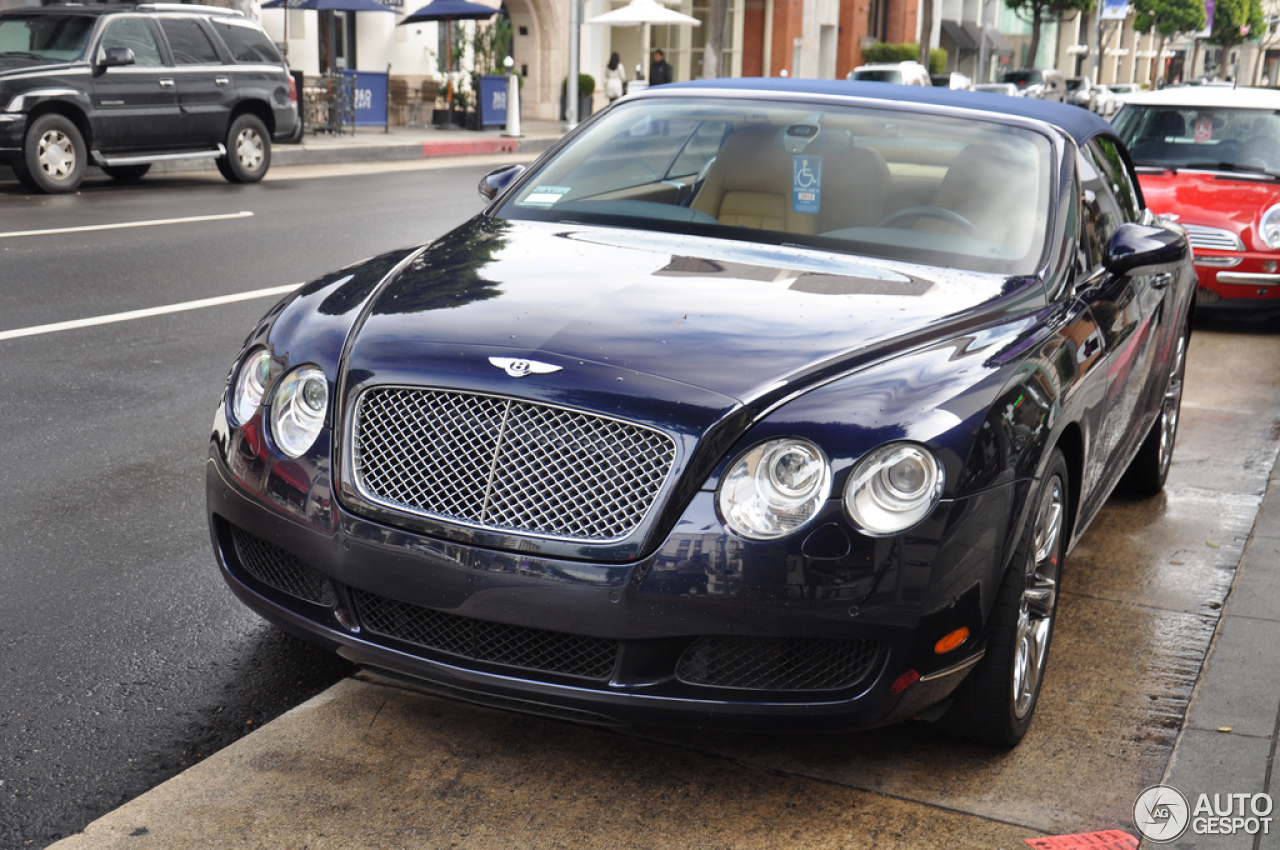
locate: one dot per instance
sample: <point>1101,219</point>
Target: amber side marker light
<point>951,641</point>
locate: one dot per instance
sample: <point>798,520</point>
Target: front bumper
<point>13,127</point>
<point>1235,280</point>
<point>709,631</point>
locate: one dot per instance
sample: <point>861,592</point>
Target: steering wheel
<point>925,211</point>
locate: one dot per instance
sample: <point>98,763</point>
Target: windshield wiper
<point>1233,167</point>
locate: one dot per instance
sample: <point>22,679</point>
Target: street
<point>125,659</point>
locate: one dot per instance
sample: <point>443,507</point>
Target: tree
<point>1237,21</point>
<point>1168,18</point>
<point>717,20</point>
<point>1039,12</point>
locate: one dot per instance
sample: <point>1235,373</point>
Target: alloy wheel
<point>56,154</point>
<point>250,149</point>
<point>1039,598</point>
<point>1172,405</point>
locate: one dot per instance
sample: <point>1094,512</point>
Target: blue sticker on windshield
<point>806,183</point>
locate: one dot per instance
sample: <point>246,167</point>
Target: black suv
<point>125,86</point>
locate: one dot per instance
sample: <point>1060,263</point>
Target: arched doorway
<point>539,32</point>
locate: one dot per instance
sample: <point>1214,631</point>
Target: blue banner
<point>369,97</point>
<point>493,101</point>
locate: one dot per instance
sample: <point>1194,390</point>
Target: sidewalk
<point>378,144</point>
<point>1227,744</point>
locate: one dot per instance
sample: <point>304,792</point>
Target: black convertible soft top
<point>1080,124</point>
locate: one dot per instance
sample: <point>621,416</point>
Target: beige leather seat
<point>855,188</point>
<point>993,188</point>
<point>750,182</point>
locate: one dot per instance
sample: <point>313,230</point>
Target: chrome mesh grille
<point>506,464</point>
<point>480,640</point>
<point>282,570</point>
<point>778,664</point>
<point>1213,238</point>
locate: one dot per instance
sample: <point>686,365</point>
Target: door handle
<point>221,81</point>
<point>166,84</point>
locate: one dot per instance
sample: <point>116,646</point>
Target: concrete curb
<point>1227,743</point>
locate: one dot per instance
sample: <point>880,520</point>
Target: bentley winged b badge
<point>517,368</point>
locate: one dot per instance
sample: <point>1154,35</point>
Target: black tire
<point>1149,468</point>
<point>54,155</point>
<point>127,173</point>
<point>248,150</point>
<point>995,705</point>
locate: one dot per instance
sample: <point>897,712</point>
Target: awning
<point>996,45</point>
<point>959,35</point>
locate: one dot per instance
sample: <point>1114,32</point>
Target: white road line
<point>124,225</point>
<point>114,318</point>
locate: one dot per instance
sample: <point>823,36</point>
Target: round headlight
<point>774,488</point>
<point>298,410</point>
<point>251,384</point>
<point>893,488</point>
<point>1269,227</point>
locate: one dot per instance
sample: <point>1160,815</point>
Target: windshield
<point>971,193</point>
<point>53,37</point>
<point>1200,137</point>
<point>1021,79</point>
<point>879,75</point>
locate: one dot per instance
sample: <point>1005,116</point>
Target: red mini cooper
<point>1209,156</point>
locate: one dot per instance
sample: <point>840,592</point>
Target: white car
<point>1120,92</point>
<point>1103,101</point>
<point>903,73</point>
<point>999,88</point>
<point>1080,92</point>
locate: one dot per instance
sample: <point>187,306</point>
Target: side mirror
<point>112,57</point>
<point>1137,249</point>
<point>496,182</point>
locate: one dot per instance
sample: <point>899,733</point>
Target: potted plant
<point>586,88</point>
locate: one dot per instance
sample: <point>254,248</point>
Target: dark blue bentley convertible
<point>752,403</point>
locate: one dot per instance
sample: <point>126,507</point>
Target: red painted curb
<point>462,147</point>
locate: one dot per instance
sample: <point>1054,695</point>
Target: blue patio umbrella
<point>327,6</point>
<point>330,5</point>
<point>446,12</point>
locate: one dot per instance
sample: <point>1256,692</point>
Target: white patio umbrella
<point>643,13</point>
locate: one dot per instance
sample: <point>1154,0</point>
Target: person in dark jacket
<point>659,69</point>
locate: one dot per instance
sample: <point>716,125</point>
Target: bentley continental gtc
<point>750,404</point>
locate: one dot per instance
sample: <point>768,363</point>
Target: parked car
<point>1041,83</point>
<point>1080,92</point>
<point>1120,92</point>
<point>902,73</point>
<point>1210,157</point>
<point>953,80</point>
<point>123,87</point>
<point>754,402</point>
<point>1103,101</point>
<point>999,88</point>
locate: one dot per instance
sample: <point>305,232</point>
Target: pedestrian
<point>614,77</point>
<point>659,69</point>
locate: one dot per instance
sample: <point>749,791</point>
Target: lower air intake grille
<point>281,570</point>
<point>778,664</point>
<point>480,640</point>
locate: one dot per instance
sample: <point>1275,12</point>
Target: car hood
<point>16,66</point>
<point>1212,200</point>
<point>739,320</point>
